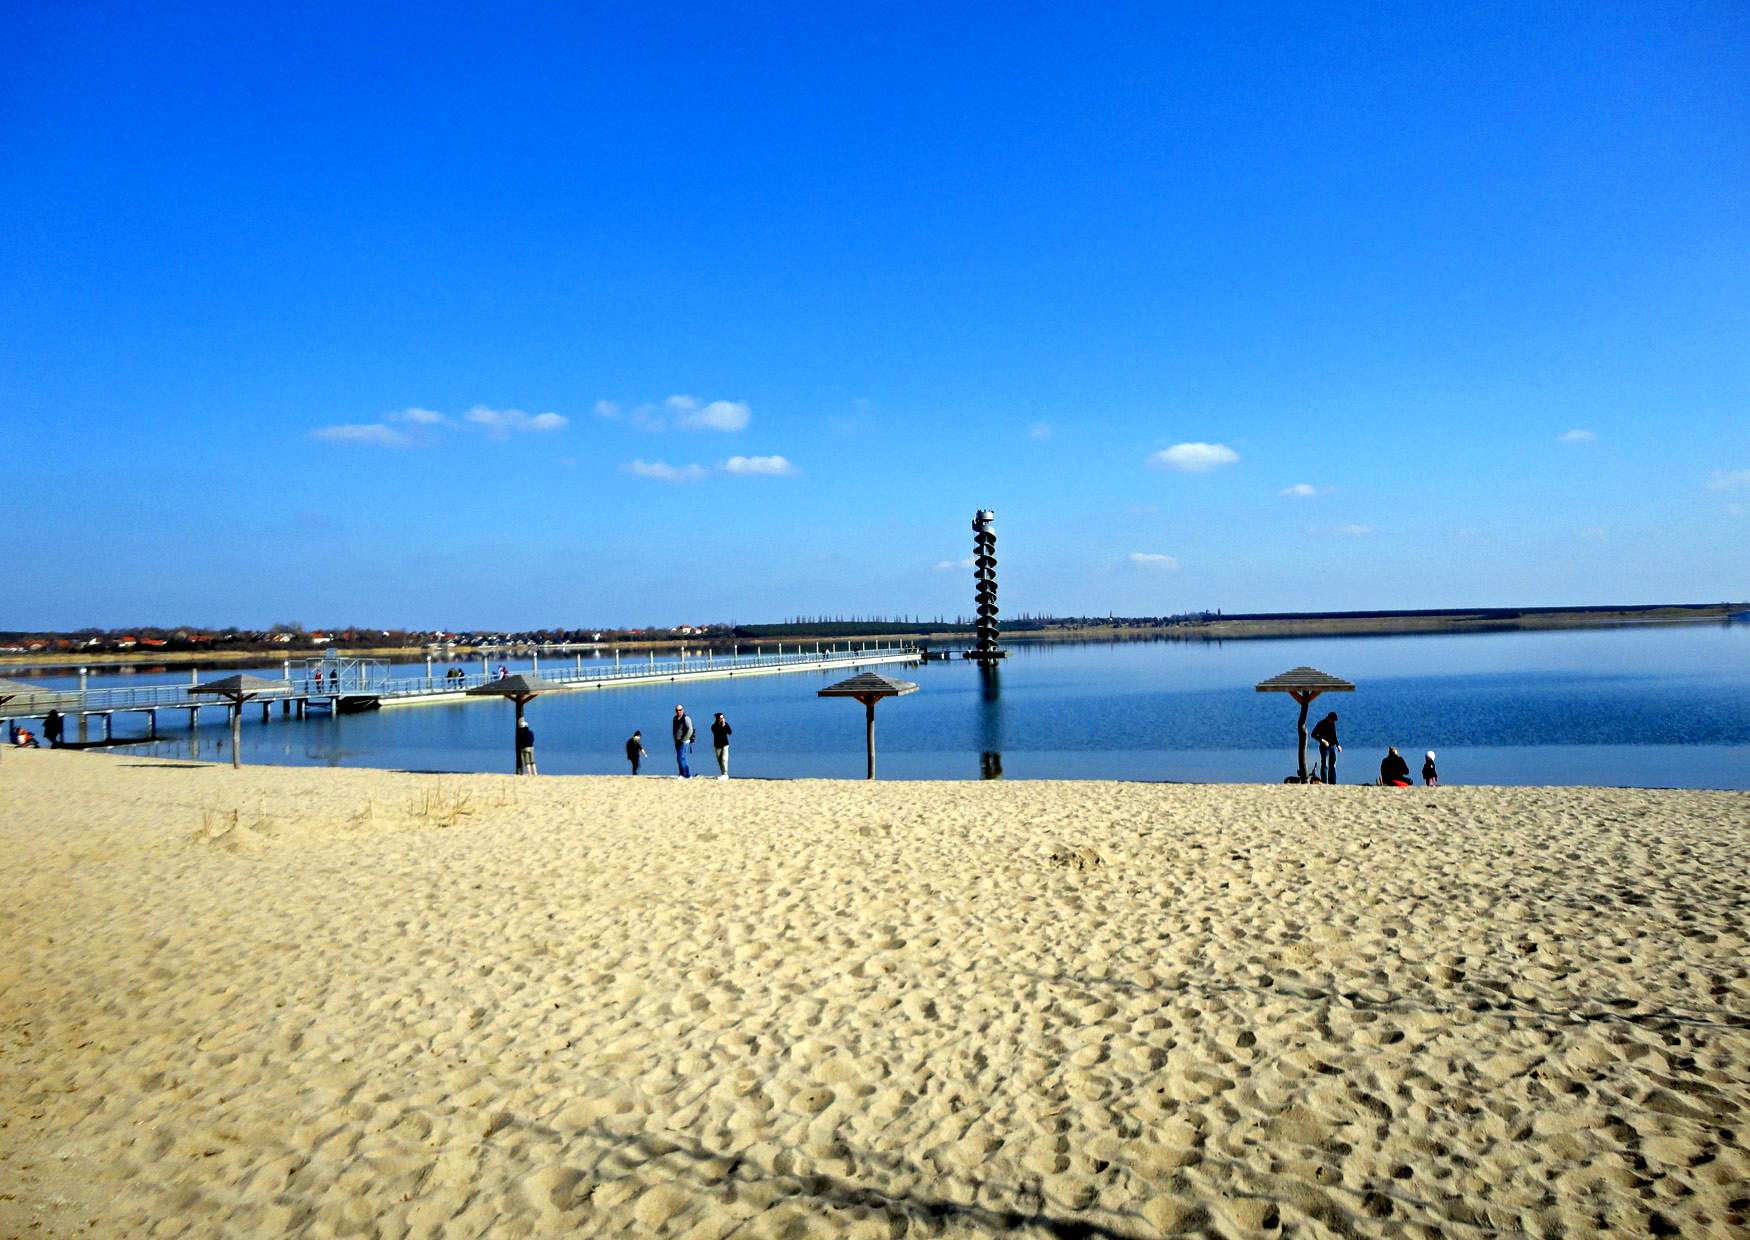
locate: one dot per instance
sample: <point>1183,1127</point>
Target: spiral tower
<point>984,573</point>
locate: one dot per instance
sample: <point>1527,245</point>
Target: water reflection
<point>990,721</point>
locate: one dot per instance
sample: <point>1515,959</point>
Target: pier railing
<point>438,683</point>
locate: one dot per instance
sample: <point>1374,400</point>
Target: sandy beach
<point>339,1002</point>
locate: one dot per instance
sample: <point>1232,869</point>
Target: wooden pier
<point>303,697</point>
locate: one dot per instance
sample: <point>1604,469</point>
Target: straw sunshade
<point>869,688</point>
<point>1304,684</point>
<point>519,689</point>
<point>238,690</point>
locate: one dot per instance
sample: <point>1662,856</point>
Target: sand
<point>313,1002</point>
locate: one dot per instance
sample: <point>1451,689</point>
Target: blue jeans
<point>680,759</point>
<point>1328,764</point>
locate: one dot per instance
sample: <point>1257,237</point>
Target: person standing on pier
<point>635,752</point>
<point>683,739</point>
<point>54,724</point>
<point>720,731</point>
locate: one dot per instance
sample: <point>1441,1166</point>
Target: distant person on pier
<point>54,725</point>
<point>720,731</point>
<point>525,749</point>
<point>1394,772</point>
<point>503,672</point>
<point>635,752</point>
<point>1430,776</point>
<point>1325,733</point>
<point>682,727</point>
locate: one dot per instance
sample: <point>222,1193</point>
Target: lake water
<point>1665,706</point>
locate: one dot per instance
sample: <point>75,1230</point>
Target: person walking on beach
<point>635,750</point>
<point>1394,772</point>
<point>1430,776</point>
<point>720,731</point>
<point>525,749</point>
<point>1325,733</point>
<point>54,724</point>
<point>683,740</point>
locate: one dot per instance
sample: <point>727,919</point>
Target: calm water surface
<point>1653,706</point>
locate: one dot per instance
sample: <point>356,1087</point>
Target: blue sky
<point>662,314</point>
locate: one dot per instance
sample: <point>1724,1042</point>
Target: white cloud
<point>719,415</point>
<point>950,565</point>
<point>373,433</point>
<point>1576,436</point>
<point>1305,490</point>
<point>664,472</point>
<point>501,422</point>
<point>1153,559</point>
<point>1354,531</point>
<point>776,466</point>
<point>1194,458</point>
<point>423,417</point>
<point>1039,430</point>
<point>1729,480</point>
<point>681,410</point>
<point>1142,510</point>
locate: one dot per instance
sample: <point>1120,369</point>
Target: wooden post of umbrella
<point>869,688</point>
<point>238,690</point>
<point>1304,684</point>
<point>519,689</point>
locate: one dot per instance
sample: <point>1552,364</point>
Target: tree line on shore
<point>294,637</point>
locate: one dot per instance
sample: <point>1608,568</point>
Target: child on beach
<point>1430,776</point>
<point>635,752</point>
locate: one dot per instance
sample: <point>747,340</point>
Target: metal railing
<point>148,697</point>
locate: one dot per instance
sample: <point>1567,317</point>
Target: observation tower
<point>984,575</point>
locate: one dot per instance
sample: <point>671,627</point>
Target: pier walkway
<point>369,692</point>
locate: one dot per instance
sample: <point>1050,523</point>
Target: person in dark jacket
<point>682,727</point>
<point>1430,776</point>
<point>525,749</point>
<point>1325,733</point>
<point>635,750</point>
<point>1394,772</point>
<point>54,724</point>
<point>720,731</point>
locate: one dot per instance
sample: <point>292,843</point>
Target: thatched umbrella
<point>238,690</point>
<point>518,689</point>
<point>869,688</point>
<point>1304,684</point>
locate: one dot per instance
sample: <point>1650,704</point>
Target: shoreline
<point>281,998</point>
<point>117,749</point>
<point>1210,630</point>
